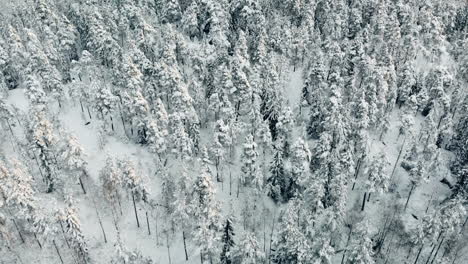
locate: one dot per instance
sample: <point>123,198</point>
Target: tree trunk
<point>230,181</point>
<point>238,187</point>
<point>356,174</point>
<point>364,202</point>
<point>156,227</point>
<point>63,233</point>
<point>89,112</point>
<point>16,254</point>
<point>419,253</point>
<point>112,123</point>
<point>368,197</point>
<point>437,251</point>
<point>398,158</point>
<point>39,166</point>
<point>430,254</point>
<point>271,237</point>
<point>58,252</point>
<point>82,186</point>
<point>37,240</point>
<point>100,221</point>
<point>168,249</point>
<point>134,207</point>
<point>264,231</point>
<point>81,104</point>
<point>147,223</point>
<point>118,200</point>
<point>409,195</point>
<point>429,203</point>
<point>185,246</point>
<point>347,243</point>
<point>19,232</point>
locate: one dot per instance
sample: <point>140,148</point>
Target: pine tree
<point>222,141</point>
<point>133,182</point>
<point>207,215</point>
<point>110,176</point>
<point>248,250</point>
<point>360,250</point>
<point>378,178</point>
<point>156,138</point>
<point>251,174</point>
<point>417,176</point>
<point>291,244</point>
<point>125,256</point>
<point>68,216</point>
<point>277,184</point>
<point>190,20</point>
<point>171,11</point>
<point>43,139</point>
<point>300,158</point>
<point>182,144</point>
<point>227,240</point>
<point>72,155</point>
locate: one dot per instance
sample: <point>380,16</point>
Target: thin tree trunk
<point>19,232</point>
<point>430,254</point>
<point>419,253</point>
<point>364,201</point>
<point>37,240</point>
<point>123,121</point>
<point>429,203</point>
<point>437,251</point>
<point>398,158</point>
<point>156,227</point>
<point>271,237</point>
<point>58,253</point>
<point>347,243</point>
<point>16,254</point>
<point>81,104</point>
<point>100,221</point>
<point>238,187</point>
<point>168,249</point>
<point>112,123</point>
<point>185,246</point>
<point>264,231</point>
<point>82,186</point>
<point>147,223</point>
<point>63,233</point>
<point>118,200</point>
<point>134,207</point>
<point>356,174</point>
<point>368,197</point>
<point>39,166</point>
<point>89,112</point>
<point>409,195</point>
<point>464,224</point>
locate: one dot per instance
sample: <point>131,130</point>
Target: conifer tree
<point>182,144</point>
<point>248,251</point>
<point>110,176</point>
<point>300,157</point>
<point>377,177</point>
<point>251,174</point>
<point>360,250</point>
<point>133,182</point>
<point>227,240</point>
<point>277,184</point>
<point>68,216</point>
<point>73,156</point>
<point>207,215</point>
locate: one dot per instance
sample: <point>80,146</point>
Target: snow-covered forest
<point>234,131</point>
